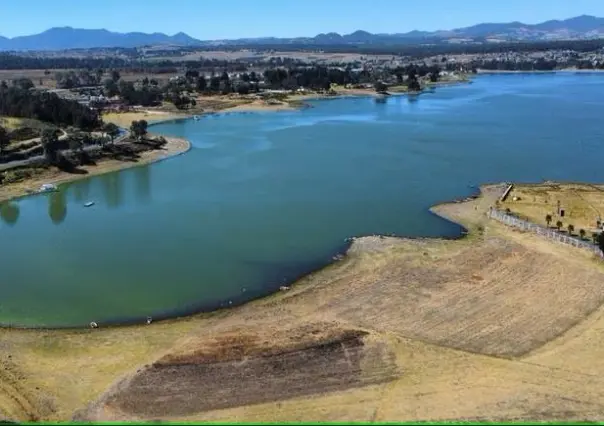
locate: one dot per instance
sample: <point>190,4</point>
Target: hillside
<point>580,27</point>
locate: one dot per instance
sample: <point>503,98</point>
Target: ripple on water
<point>269,197</point>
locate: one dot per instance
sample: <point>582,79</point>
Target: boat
<point>89,203</point>
<point>47,187</point>
<point>196,117</point>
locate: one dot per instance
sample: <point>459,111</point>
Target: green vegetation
<point>138,129</point>
<point>19,102</point>
<point>112,131</point>
<point>4,139</point>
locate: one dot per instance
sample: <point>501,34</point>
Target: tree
<point>9,213</point>
<point>202,84</point>
<point>76,144</point>
<point>99,75</point>
<point>191,75</point>
<point>601,241</point>
<point>111,88</point>
<point>4,139</point>
<point>582,233</point>
<point>571,229</point>
<point>115,75</point>
<point>50,144</point>
<point>559,224</point>
<point>413,85</point>
<point>138,129</point>
<point>23,83</point>
<point>548,219</point>
<point>112,131</point>
<point>594,237</point>
<point>380,87</point>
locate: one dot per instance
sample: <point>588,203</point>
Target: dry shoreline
<point>431,307</point>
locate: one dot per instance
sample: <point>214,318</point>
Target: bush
<point>24,133</point>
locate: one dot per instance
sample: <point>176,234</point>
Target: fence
<point>548,233</point>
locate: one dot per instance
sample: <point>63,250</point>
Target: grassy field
<point>499,325</point>
<point>583,205</point>
<point>13,123</point>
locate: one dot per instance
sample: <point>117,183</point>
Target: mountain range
<point>62,38</point>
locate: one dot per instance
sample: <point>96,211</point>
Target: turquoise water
<point>263,198</point>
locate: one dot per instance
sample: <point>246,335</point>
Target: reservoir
<point>265,198</point>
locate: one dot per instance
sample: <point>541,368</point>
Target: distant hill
<point>580,27</point>
<point>74,38</point>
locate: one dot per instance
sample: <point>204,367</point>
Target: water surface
<point>263,198</point>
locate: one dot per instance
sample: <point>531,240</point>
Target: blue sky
<point>216,19</point>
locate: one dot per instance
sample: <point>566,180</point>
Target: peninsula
<point>473,320</point>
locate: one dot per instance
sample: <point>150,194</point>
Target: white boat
<point>89,203</point>
<point>196,117</point>
<point>48,187</point>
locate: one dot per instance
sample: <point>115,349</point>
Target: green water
<point>264,198</point>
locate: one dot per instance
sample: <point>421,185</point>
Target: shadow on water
<point>9,213</point>
<point>81,190</point>
<point>142,177</point>
<point>112,189</point>
<point>57,207</point>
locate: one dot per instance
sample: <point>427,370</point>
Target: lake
<point>264,198</point>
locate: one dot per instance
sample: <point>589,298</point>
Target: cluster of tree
<point>84,77</point>
<point>540,64</point>
<point>418,50</point>
<point>4,139</point>
<point>597,237</point>
<point>138,129</point>
<point>11,61</point>
<point>147,93</point>
<point>19,102</point>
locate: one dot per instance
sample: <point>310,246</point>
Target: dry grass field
<point>500,325</point>
<point>250,54</point>
<point>40,78</point>
<point>583,204</point>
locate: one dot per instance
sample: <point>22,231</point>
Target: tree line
<point>134,61</point>
<point>22,102</point>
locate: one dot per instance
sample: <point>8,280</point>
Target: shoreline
<point>18,190</point>
<point>15,191</point>
<point>351,245</point>
<point>562,71</point>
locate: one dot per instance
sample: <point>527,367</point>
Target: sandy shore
<point>125,119</point>
<point>499,325</point>
<point>173,147</point>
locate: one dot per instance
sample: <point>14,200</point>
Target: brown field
<point>583,204</point>
<point>36,76</point>
<point>249,54</point>
<point>500,325</point>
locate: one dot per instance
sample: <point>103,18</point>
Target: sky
<point>222,19</point>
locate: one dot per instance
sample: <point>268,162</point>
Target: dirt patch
<point>243,369</point>
<point>583,205</point>
<point>373,337</point>
<point>494,296</point>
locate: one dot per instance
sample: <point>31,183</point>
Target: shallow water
<point>264,198</point>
